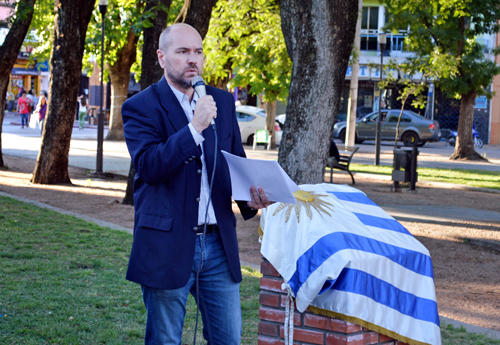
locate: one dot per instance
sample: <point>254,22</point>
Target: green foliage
<point>245,38</point>
<point>122,16</point>
<point>41,29</point>
<point>443,34</point>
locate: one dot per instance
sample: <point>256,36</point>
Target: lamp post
<point>103,7</point>
<point>382,39</point>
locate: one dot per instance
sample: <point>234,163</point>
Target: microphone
<point>199,87</point>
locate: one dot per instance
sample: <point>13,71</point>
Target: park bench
<point>343,163</point>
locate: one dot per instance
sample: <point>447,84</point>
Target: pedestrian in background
<point>10,100</point>
<point>82,110</point>
<point>41,109</point>
<point>31,103</point>
<point>22,107</point>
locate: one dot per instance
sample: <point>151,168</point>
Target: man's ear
<point>161,57</point>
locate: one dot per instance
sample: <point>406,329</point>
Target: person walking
<point>31,103</point>
<point>173,148</point>
<point>41,109</point>
<point>23,109</point>
<point>82,111</point>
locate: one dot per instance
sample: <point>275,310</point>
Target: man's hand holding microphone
<point>204,114</point>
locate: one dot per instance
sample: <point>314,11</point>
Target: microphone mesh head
<point>197,79</point>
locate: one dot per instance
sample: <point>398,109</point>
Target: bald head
<point>168,33</point>
<point>180,54</point>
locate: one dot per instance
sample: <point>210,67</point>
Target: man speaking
<point>183,205</point>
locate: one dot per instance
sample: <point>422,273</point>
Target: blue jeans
<point>219,301</point>
<point>24,120</point>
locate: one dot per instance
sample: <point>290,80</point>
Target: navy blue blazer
<point>167,185</point>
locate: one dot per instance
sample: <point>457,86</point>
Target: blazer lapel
<point>169,102</point>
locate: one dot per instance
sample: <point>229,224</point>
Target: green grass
<point>459,336</point>
<point>62,281</point>
<point>473,178</point>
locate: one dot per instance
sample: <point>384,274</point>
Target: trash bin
<point>407,160</point>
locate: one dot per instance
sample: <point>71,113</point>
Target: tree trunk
<point>151,70</point>
<point>350,133</point>
<point>119,74</point>
<point>270,121</point>
<point>319,35</point>
<point>197,13</point>
<point>70,27</point>
<point>8,53</point>
<point>464,146</point>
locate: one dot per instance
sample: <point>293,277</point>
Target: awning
<point>25,71</point>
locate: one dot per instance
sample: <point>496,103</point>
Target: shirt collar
<point>180,96</point>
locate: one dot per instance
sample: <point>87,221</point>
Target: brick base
<point>309,328</point>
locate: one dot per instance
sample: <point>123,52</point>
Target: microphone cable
<point>204,235</point>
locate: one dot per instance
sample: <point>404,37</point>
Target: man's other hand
<point>205,111</point>
<point>259,199</point>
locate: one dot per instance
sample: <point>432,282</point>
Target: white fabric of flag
<point>357,261</point>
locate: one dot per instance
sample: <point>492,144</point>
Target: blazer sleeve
<point>155,160</point>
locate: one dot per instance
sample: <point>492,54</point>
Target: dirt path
<point>467,277</point>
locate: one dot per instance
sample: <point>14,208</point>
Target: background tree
<point>156,12</point>
<point>70,28</point>
<point>124,26</point>
<point>443,34</point>
<point>319,36</point>
<point>18,25</point>
<point>245,38</point>
<point>197,13</point>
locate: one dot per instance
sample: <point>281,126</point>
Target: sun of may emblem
<point>306,200</point>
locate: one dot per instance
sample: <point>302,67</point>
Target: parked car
<point>250,119</point>
<point>414,129</point>
<point>360,112</point>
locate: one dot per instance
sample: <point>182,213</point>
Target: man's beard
<point>183,83</point>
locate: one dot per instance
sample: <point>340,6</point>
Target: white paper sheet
<point>269,175</point>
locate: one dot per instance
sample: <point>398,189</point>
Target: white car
<point>251,119</point>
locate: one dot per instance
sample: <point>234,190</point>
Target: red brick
<point>267,328</point>
<point>383,338</point>
<point>271,284</point>
<point>267,269</point>
<point>269,299</point>
<point>362,339</point>
<point>352,328</point>
<point>269,341</point>
<point>306,336</point>
<point>330,324</point>
<point>276,315</point>
<point>374,337</point>
<point>334,339</point>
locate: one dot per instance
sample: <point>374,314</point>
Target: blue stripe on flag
<point>360,198</point>
<point>379,222</point>
<point>362,283</point>
<point>332,243</point>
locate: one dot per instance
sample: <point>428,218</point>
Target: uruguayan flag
<point>355,260</point>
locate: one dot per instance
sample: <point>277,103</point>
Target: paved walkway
<point>25,143</point>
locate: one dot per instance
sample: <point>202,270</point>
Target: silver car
<point>414,129</point>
